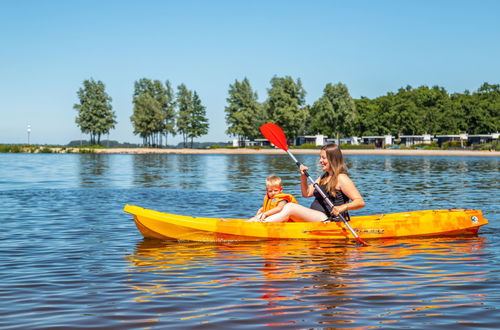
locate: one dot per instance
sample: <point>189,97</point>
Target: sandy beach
<point>245,151</point>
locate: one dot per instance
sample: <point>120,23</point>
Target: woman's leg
<point>297,213</point>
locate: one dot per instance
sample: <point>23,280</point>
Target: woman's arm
<point>349,189</point>
<point>306,188</point>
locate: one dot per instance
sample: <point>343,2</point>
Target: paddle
<point>275,135</point>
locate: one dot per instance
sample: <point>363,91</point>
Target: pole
<point>29,131</point>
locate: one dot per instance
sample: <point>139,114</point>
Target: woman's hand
<point>303,168</point>
<point>336,210</point>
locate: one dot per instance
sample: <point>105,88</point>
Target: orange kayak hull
<point>445,222</point>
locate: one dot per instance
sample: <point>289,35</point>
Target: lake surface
<point>71,258</point>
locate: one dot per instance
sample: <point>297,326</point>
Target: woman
<point>336,184</point>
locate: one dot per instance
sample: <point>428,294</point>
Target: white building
<point>409,140</point>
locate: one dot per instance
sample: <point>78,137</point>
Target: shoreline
<point>245,151</point>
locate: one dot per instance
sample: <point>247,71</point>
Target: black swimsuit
<point>319,203</point>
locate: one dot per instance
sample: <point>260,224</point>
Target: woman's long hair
<point>337,165</point>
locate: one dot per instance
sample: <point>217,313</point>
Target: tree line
<point>159,111</point>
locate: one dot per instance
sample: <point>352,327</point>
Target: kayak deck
<point>445,222</point>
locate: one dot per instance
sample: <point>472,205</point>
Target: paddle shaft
<point>275,135</point>
<point>327,200</point>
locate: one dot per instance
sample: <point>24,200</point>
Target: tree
<point>163,113</point>
<point>95,114</point>
<point>484,117</point>
<point>191,118</point>
<point>183,102</point>
<point>146,118</point>
<point>431,110</point>
<point>368,122</point>
<point>244,114</point>
<point>168,110</point>
<point>400,113</point>
<point>198,124</point>
<point>433,104</point>
<point>285,105</point>
<point>334,114</point>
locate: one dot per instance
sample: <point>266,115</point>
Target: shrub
<point>425,146</point>
<point>357,146</point>
<point>307,146</point>
<point>10,148</point>
<point>45,150</point>
<point>495,146</point>
<point>452,145</point>
<point>86,151</point>
<point>216,146</point>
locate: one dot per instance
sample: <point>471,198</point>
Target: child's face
<point>273,190</point>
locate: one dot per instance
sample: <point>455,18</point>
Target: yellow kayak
<point>452,222</point>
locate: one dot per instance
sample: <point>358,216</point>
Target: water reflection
<point>151,170</point>
<point>240,170</point>
<point>93,170</point>
<point>279,280</point>
<point>388,184</point>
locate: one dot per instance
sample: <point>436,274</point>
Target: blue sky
<point>49,47</point>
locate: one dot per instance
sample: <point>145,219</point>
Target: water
<point>71,258</point>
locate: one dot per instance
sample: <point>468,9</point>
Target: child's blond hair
<point>273,181</point>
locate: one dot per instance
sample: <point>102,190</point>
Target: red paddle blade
<point>360,241</point>
<point>275,135</point>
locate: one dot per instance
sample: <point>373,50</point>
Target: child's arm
<point>272,211</point>
<point>258,212</point>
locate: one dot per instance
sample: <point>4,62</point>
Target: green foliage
<point>217,146</point>
<point>4,148</point>
<point>307,146</point>
<point>184,104</point>
<point>285,106</point>
<point>334,114</point>
<point>484,115</point>
<point>244,114</point>
<point>95,114</point>
<point>154,111</point>
<point>425,146</point>
<point>368,121</point>
<point>452,145</point>
<point>86,150</point>
<point>494,146</point>
<point>198,124</point>
<point>433,111</point>
<point>45,150</point>
<point>356,146</point>
<point>104,144</point>
<point>191,116</point>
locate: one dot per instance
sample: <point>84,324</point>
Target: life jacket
<point>269,204</point>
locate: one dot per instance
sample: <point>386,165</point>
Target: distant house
<point>347,140</point>
<point>449,138</point>
<point>378,141</point>
<point>247,143</point>
<point>482,138</point>
<point>409,140</point>
<point>317,140</point>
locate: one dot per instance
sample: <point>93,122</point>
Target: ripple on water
<point>70,257</point>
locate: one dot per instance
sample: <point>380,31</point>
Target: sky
<point>48,48</point>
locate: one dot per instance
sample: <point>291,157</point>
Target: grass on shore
<point>33,149</point>
<point>454,145</point>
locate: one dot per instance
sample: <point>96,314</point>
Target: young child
<point>275,199</point>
